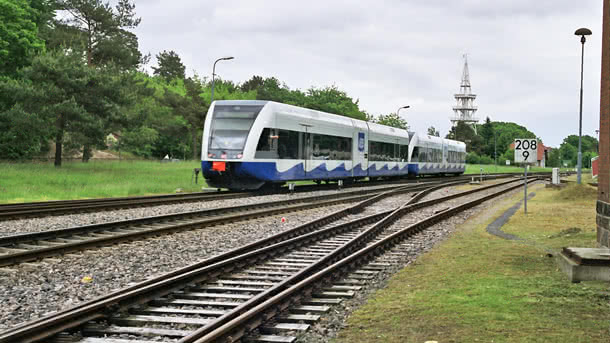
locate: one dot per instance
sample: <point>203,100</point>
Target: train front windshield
<point>229,130</point>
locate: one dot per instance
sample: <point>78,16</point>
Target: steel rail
<point>29,332</point>
<point>58,207</point>
<point>108,234</point>
<point>11,211</point>
<point>250,318</point>
<point>26,237</point>
<point>44,327</point>
<point>383,220</point>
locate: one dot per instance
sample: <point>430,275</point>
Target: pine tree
<point>170,66</point>
<point>102,31</point>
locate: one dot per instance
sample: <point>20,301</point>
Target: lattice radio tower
<point>465,109</point>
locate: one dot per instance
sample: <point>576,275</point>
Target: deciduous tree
<point>392,120</point>
<point>19,40</point>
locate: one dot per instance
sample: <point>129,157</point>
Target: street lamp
<point>214,74</point>
<point>400,108</point>
<point>582,32</point>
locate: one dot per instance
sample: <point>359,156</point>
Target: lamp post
<point>214,73</point>
<point>400,108</point>
<point>582,32</point>
<point>495,145</point>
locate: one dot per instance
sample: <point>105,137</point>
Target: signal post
<point>526,152</point>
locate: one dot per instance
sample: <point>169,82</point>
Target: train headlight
<point>239,156</point>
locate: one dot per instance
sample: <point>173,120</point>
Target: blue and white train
<point>250,143</point>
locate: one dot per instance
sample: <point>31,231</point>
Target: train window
<point>342,150</point>
<point>320,148</point>
<point>267,144</point>
<point>404,153</point>
<point>382,151</point>
<point>326,147</point>
<point>288,144</point>
<point>231,125</point>
<point>374,150</point>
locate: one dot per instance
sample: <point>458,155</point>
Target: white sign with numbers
<point>526,150</point>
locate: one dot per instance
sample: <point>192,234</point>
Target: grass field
<point>22,182</point>
<point>478,287</point>
<point>491,169</point>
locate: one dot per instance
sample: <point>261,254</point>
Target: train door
<point>305,145</point>
<point>445,156</point>
<point>360,149</point>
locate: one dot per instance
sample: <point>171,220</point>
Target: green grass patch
<point>492,169</point>
<point>478,287</point>
<point>24,182</point>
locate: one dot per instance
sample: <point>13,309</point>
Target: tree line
<point>72,73</point>
<point>490,143</point>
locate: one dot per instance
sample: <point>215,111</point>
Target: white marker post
<point>526,152</point>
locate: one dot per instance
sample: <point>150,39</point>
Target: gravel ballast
<point>30,291</point>
<point>12,227</point>
<point>334,320</point>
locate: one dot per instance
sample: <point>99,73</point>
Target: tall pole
<point>495,152</point>
<point>582,62</point>
<point>582,33</point>
<point>525,187</point>
<point>400,108</point>
<point>214,74</point>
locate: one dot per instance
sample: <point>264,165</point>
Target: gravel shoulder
<point>11,227</point>
<point>29,291</point>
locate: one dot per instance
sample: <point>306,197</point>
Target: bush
<point>486,160</point>
<point>472,158</point>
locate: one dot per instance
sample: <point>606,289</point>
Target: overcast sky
<point>523,56</point>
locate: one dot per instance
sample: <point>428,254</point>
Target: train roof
<point>434,141</point>
<point>315,114</point>
<point>379,129</point>
<point>240,102</point>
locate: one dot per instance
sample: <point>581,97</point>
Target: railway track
<point>60,207</point>
<point>34,246</point>
<point>53,208</point>
<point>225,297</point>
